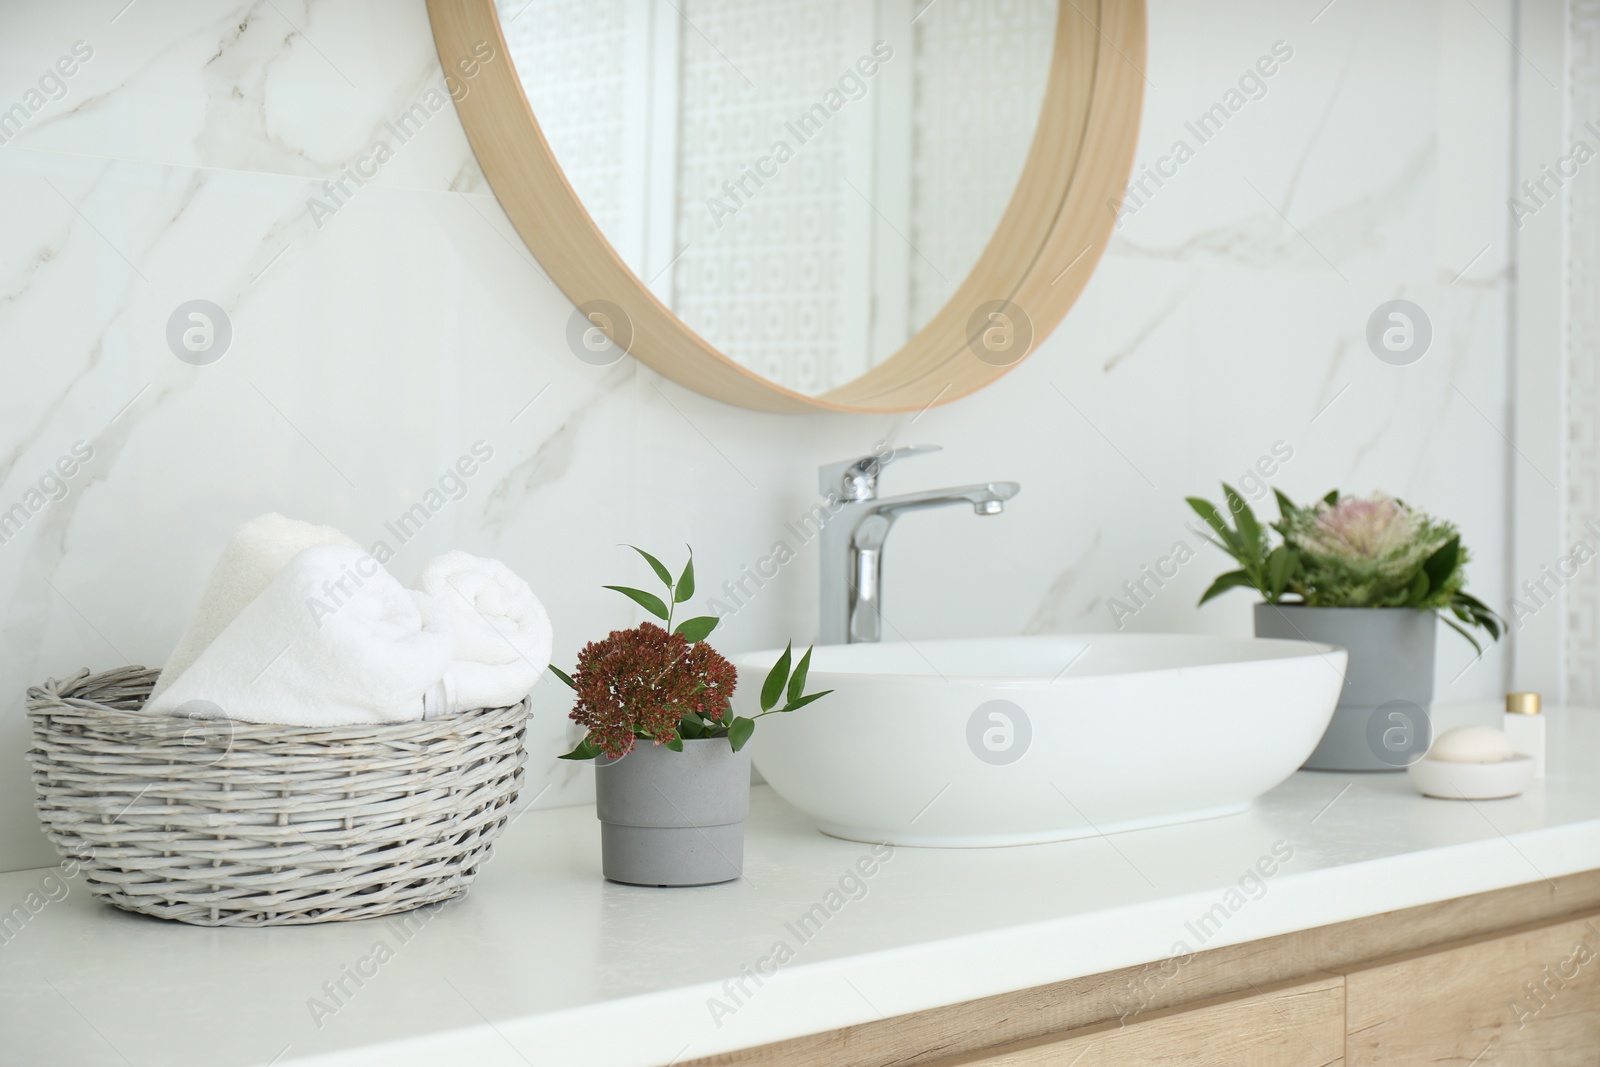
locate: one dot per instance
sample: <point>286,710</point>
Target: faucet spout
<point>877,517</point>
<point>986,498</point>
<point>852,551</point>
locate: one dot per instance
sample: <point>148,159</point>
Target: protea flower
<point>1355,528</point>
<point>1367,551</point>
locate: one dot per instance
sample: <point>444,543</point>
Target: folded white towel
<point>255,554</point>
<point>332,640</point>
<point>500,631</point>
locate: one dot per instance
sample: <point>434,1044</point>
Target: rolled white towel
<point>500,631</point>
<point>333,640</point>
<point>254,555</point>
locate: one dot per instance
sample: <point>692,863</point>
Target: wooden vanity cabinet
<point>1531,996</point>
<point>1503,979</point>
<point>1300,1025</point>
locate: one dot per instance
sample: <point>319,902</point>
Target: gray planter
<point>673,818</point>
<point>1382,721</point>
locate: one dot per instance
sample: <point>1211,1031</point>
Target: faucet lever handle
<point>857,479</point>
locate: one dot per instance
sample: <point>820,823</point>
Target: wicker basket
<point>223,823</point>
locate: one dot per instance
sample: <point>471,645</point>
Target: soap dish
<point>1472,781</point>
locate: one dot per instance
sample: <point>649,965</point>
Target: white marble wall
<point>370,350</point>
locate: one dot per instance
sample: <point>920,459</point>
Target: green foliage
<point>780,684</point>
<point>1346,552</point>
<point>585,750</point>
<point>697,628</point>
<point>648,601</point>
<point>693,630</point>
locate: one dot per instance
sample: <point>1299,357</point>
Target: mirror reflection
<point>803,182</point>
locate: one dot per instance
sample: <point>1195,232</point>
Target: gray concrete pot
<point>1382,721</point>
<point>673,818</point>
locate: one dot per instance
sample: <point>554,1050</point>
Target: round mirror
<point>790,204</point>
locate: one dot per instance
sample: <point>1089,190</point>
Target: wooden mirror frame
<point>1051,235</point>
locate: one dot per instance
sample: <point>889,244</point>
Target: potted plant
<point>671,810</point>
<point>1373,576</point>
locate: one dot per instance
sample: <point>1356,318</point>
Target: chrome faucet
<point>859,523</point>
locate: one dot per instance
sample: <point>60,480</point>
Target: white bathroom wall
<point>376,337</point>
<point>1576,176</point>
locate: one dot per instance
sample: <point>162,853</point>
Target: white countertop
<point>546,963</point>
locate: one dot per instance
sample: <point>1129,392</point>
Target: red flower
<point>643,682</point>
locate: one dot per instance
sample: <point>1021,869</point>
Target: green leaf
<point>1203,508</point>
<point>1225,582</point>
<point>797,683</point>
<point>685,587</point>
<point>655,565</point>
<point>1282,563</point>
<point>1470,639</point>
<point>739,731</point>
<point>1442,564</point>
<point>697,628</point>
<point>772,688</point>
<point>1478,613</point>
<point>585,750</point>
<point>1249,528</point>
<point>691,726</point>
<point>796,705</point>
<point>1286,507</point>
<point>648,601</point>
<point>676,744</point>
<point>559,673</point>
<point>1332,498</point>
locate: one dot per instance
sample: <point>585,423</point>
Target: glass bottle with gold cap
<point>1524,725</point>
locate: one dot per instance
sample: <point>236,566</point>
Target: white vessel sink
<point>1018,740</point>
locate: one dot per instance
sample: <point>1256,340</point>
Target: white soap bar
<point>1472,744</point>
